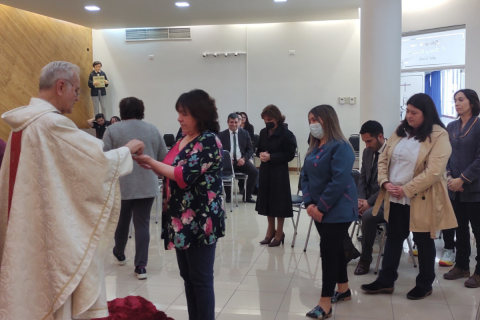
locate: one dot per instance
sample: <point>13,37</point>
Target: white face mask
<point>316,130</point>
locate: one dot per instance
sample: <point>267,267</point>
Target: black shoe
<point>418,293</point>
<point>376,287</point>
<point>352,254</point>
<point>141,273</point>
<point>228,200</point>
<point>120,258</point>
<point>337,296</point>
<point>319,313</point>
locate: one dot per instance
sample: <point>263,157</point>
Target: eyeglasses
<point>78,91</point>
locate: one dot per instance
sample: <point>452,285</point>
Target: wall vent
<point>152,34</point>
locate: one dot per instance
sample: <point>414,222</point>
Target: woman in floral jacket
<point>193,217</point>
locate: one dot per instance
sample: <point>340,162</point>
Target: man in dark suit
<point>368,189</point>
<point>238,142</point>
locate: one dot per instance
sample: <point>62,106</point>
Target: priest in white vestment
<point>59,205</point>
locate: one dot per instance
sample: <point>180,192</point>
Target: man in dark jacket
<point>368,189</point>
<point>238,142</point>
<point>97,87</point>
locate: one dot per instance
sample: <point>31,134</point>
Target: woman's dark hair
<point>132,108</point>
<point>116,118</point>
<point>424,103</point>
<point>97,62</point>
<point>247,123</point>
<point>272,111</point>
<point>472,97</point>
<point>202,108</point>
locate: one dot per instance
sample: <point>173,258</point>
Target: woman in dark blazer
<point>193,218</point>
<point>463,175</point>
<point>276,148</point>
<point>330,196</point>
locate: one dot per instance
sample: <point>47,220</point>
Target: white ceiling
<point>164,13</point>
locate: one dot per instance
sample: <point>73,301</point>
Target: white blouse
<point>402,165</point>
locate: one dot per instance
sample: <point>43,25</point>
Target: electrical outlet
<point>352,100</point>
<point>341,100</point>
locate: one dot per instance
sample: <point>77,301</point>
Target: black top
<point>100,129</point>
<point>94,91</point>
<point>249,129</point>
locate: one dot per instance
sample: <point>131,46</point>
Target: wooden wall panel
<point>28,42</point>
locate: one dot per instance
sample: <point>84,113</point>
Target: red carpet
<point>133,308</point>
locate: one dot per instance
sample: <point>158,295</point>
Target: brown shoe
<point>267,240</point>
<point>473,281</point>
<point>363,267</point>
<point>456,273</point>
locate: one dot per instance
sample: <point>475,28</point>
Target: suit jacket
<point>368,187</point>
<point>93,90</point>
<point>430,206</point>
<point>244,142</point>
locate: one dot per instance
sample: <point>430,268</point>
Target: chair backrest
<point>227,166</point>
<point>169,140</point>
<point>256,138</point>
<point>356,176</point>
<point>355,142</point>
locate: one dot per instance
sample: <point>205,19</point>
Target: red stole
<point>16,146</point>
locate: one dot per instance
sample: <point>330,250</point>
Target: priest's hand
<point>135,146</point>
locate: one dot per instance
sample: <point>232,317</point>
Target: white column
<point>380,59</point>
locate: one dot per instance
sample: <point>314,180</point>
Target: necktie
<point>235,146</point>
<point>375,162</point>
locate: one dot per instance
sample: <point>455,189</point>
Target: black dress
<point>249,129</point>
<point>274,197</point>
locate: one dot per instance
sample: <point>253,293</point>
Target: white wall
<point>325,66</point>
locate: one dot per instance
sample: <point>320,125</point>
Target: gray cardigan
<point>464,163</point>
<point>141,183</point>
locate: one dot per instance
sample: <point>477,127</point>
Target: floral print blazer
<point>194,216</point>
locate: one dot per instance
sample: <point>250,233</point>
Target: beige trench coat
<point>430,206</point>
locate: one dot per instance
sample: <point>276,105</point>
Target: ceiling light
<point>182,4</point>
<point>92,8</point>
<point>280,0</point>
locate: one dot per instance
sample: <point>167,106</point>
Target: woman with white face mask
<point>330,196</point>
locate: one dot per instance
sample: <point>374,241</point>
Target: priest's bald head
<point>60,85</point>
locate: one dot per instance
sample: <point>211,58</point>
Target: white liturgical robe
<point>59,206</point>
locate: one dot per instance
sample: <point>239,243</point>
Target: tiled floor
<point>255,282</point>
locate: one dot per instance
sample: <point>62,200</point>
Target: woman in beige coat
<point>412,173</point>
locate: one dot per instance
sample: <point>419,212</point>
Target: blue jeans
<point>196,269</point>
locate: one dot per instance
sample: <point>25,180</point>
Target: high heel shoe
<point>276,243</point>
<point>267,240</point>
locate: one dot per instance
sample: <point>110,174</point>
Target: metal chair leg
<point>296,226</point>
<point>231,195</point>
<point>382,244</point>
<point>308,235</point>
<point>410,250</point>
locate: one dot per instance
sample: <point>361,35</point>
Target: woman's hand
<point>264,156</point>
<point>143,160</point>
<point>455,185</point>
<point>313,212</point>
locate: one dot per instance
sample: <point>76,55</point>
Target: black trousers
<point>140,209</point>
<point>449,238</point>
<point>398,229</point>
<point>249,169</point>
<point>466,212</point>
<point>334,263</point>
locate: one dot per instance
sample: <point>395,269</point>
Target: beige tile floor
<point>254,282</point>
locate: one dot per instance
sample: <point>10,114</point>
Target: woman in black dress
<point>276,148</point>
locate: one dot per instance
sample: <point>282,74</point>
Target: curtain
<point>433,87</point>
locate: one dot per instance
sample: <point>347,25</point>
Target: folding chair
<point>228,176</point>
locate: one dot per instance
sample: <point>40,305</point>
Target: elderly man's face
<point>69,94</point>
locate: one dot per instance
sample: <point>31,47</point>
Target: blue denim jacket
<point>327,182</point>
